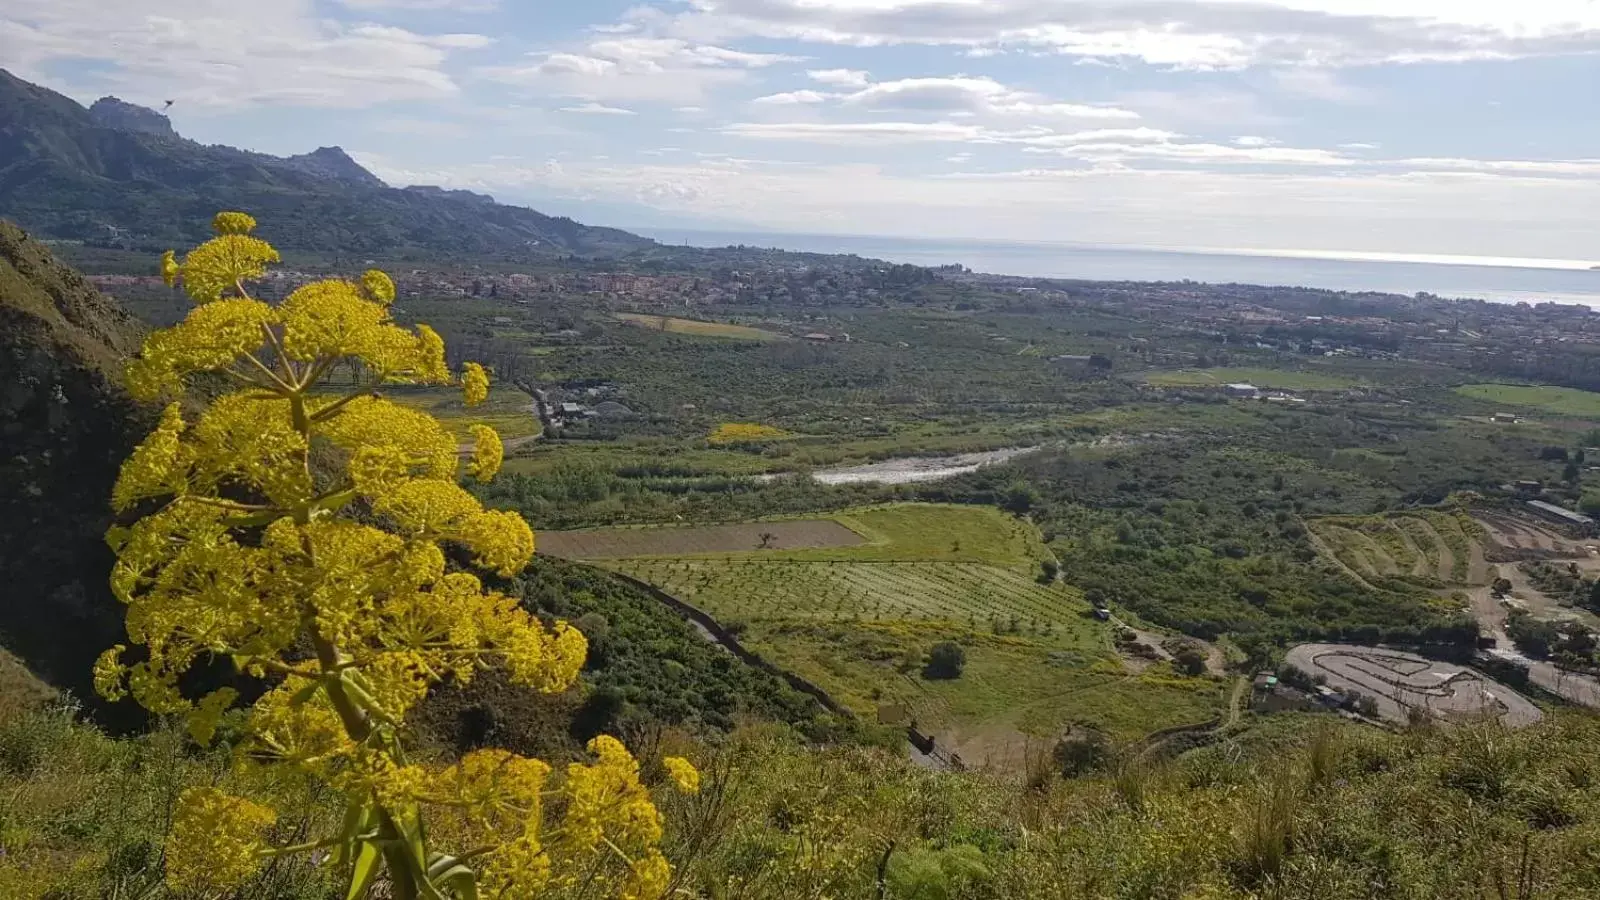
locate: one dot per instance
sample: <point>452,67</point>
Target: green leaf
<point>365,871</point>
<point>357,820</point>
<point>449,873</point>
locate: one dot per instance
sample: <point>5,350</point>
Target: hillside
<point>66,424</point>
<point>117,175</point>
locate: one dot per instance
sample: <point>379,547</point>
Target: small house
<point>1242,391</point>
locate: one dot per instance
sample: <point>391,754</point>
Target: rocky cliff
<point>65,426</point>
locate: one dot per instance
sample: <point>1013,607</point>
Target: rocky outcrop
<point>65,426</point>
<point>109,112</point>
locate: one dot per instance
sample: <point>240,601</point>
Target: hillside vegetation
<point>1284,811</point>
<point>65,424</point>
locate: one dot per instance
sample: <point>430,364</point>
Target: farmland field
<point>698,328</point>
<point>1282,379</point>
<point>858,619</point>
<point>921,531</point>
<point>623,542</point>
<point>1559,400</point>
<point>1428,549</point>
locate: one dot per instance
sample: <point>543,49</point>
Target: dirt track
<point>1402,682</point>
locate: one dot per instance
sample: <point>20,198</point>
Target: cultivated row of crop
<point>947,591</point>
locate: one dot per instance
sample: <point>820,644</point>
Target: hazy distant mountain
<point>117,174</point>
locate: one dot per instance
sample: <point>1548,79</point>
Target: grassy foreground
<point>1284,810</point>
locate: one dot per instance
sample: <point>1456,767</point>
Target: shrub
<point>301,536</point>
<point>1082,751</point>
<point>1190,661</point>
<point>946,660</point>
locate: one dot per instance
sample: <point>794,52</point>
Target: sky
<point>1440,127</point>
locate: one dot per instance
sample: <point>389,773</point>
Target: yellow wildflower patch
<point>744,433</point>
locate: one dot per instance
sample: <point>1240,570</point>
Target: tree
<point>1019,497</point>
<point>1190,661</point>
<point>946,660</point>
<point>300,537</point>
<point>1083,750</point>
<point>1533,637</point>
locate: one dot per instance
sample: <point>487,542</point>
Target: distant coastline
<point>1571,283</point>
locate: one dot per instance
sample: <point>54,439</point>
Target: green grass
<point>698,328</point>
<point>934,531</point>
<point>859,620</point>
<point>1012,686</point>
<point>1281,379</point>
<point>1559,400</point>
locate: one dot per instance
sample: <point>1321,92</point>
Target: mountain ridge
<point>116,174</point>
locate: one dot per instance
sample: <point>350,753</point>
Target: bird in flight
<point>168,106</point>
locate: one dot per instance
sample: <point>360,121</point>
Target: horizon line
<point>1438,259</point>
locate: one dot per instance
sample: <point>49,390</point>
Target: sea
<point>1531,281</point>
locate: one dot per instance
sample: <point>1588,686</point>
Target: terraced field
<point>1428,549</point>
<point>858,619</point>
<point>958,593</point>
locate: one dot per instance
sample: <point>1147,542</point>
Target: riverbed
<point>911,469</point>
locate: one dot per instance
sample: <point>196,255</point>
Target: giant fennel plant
<point>327,583</point>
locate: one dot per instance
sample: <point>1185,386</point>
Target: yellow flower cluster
<point>248,553</point>
<point>488,453</point>
<point>216,840</point>
<point>741,433</point>
<point>607,811</point>
<point>683,774</point>
<point>474,384</point>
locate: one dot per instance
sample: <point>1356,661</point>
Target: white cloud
<point>1093,136</point>
<point>598,109</point>
<point>1319,84</point>
<point>1358,145</point>
<point>793,98</point>
<point>1519,166</point>
<point>1201,34</point>
<point>850,78</point>
<point>856,133</point>
<point>219,53</point>
<point>637,68</point>
<point>1251,140</point>
<point>457,6</point>
<point>963,95</point>
<point>1206,153</point>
